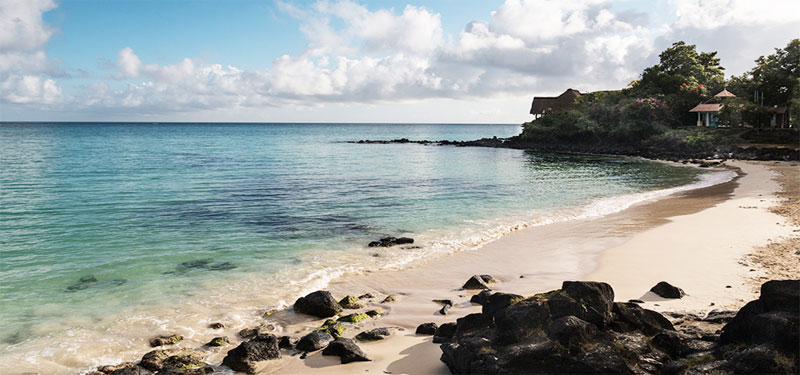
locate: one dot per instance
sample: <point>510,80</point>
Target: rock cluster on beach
<point>580,329</point>
<point>576,329</point>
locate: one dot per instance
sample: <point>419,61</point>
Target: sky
<point>447,61</point>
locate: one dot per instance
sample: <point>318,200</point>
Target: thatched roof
<point>563,102</point>
<point>725,94</point>
<point>706,108</point>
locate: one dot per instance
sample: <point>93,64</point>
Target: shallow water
<point>111,231</point>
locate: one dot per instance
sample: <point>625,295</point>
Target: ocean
<point>109,231</point>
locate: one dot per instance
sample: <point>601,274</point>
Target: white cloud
<point>21,25</point>
<point>373,56</point>
<point>711,14</point>
<point>23,62</point>
<point>128,63</point>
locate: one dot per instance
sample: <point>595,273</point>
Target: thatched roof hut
<point>543,105</point>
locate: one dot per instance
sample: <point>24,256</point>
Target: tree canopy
<point>681,66</point>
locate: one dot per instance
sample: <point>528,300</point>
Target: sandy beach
<point>706,241</point>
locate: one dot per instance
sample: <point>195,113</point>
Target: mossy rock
<point>350,302</point>
<point>336,329</point>
<point>219,341</point>
<point>375,312</point>
<point>269,313</point>
<point>328,323</point>
<point>547,295</point>
<point>165,340</point>
<point>354,318</point>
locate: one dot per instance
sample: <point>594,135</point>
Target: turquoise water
<point>151,213</point>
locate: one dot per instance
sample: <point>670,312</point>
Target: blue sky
<point>343,61</point>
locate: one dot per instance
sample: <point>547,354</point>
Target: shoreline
<point>406,352</point>
<point>613,243</point>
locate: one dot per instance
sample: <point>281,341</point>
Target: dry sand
<point>699,241</point>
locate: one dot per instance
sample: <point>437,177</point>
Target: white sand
<point>696,241</point>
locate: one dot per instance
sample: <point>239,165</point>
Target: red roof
<point>706,108</point>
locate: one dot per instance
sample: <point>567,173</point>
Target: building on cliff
<point>543,105</point>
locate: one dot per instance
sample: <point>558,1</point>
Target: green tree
<point>776,77</point>
<point>678,65</point>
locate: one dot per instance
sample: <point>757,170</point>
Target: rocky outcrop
<point>346,350</point>
<point>772,319</point>
<point>667,290</point>
<point>579,329</point>
<point>320,304</point>
<point>243,358</point>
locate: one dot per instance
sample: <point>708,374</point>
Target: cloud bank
<point>375,56</point>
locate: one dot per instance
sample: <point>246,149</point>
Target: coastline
<point>713,230</point>
<point>527,261</point>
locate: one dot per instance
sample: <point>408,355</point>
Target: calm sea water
<point>103,219</point>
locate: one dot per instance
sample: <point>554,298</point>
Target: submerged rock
<point>216,325</point>
<point>83,283</point>
<point>666,290</point>
<point>320,304</point>
<point>165,340</point>
<point>389,299</point>
<point>391,241</point>
<point>244,357</point>
<point>346,350</point>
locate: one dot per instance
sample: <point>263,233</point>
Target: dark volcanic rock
<point>481,297</point>
<point>374,334</point>
<point>760,360</point>
<point>716,316</point>
<point>781,295</point>
<point>666,290</point>
<point>153,359</point>
<point>346,350</point>
<point>216,325</point>
<point>314,341</point>
<point>244,357</point>
<point>185,363</point>
<point>404,240</point>
<point>444,332</point>
<point>631,317</point>
<point>569,330</point>
<point>131,370</point>
<point>477,282</point>
<point>444,309</point>
<point>286,342</point>
<point>498,301</point>
<point>320,304</point>
<point>578,329</point>
<point>426,329</point>
<point>165,340</point>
